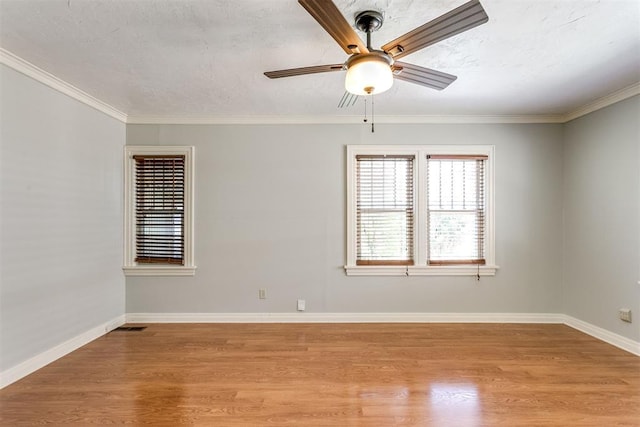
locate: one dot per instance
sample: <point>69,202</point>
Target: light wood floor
<point>334,375</point>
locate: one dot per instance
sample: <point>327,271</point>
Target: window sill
<point>413,270</point>
<point>138,270</point>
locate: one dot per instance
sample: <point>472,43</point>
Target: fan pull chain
<point>372,115</point>
<point>365,110</point>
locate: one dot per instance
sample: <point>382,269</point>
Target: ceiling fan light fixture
<point>369,74</point>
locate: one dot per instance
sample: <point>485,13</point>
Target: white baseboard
<point>603,335</point>
<point>25,368</point>
<point>595,331</point>
<point>344,318</point>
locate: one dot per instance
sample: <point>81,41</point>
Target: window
<point>455,209</point>
<point>384,210</point>
<point>420,210</point>
<point>158,210</point>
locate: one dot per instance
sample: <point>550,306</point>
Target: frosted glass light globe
<point>368,74</point>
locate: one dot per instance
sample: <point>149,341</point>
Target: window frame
<point>420,266</point>
<point>131,267</point>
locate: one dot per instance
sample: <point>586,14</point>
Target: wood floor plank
<point>334,375</point>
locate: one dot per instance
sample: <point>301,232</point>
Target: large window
<point>158,210</point>
<point>420,210</point>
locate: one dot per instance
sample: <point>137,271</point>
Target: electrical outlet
<point>262,293</point>
<point>301,305</point>
<point>625,314</point>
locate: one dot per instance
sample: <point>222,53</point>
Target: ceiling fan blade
<point>330,18</point>
<point>303,70</point>
<point>463,18</point>
<point>422,76</point>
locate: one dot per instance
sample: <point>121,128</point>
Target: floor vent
<point>130,328</point>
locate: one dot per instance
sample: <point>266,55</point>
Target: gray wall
<point>60,218</point>
<point>270,213</point>
<point>602,217</point>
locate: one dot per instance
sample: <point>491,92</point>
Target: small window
<point>420,210</point>
<point>159,209</point>
<point>158,220</point>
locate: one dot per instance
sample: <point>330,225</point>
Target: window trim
<point>420,267</point>
<point>131,267</point>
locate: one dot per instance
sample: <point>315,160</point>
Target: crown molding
<point>603,102</point>
<point>277,120</point>
<point>28,69</point>
<point>13,61</point>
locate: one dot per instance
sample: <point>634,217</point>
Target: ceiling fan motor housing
<point>369,21</point>
<point>373,55</point>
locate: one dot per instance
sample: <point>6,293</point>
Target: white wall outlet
<point>262,293</point>
<point>625,314</point>
<point>301,305</point>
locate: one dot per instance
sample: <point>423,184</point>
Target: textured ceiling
<point>206,58</point>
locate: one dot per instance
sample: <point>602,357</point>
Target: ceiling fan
<point>371,71</point>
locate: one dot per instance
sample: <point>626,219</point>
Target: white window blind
<point>159,208</point>
<point>455,209</point>
<point>384,209</point>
